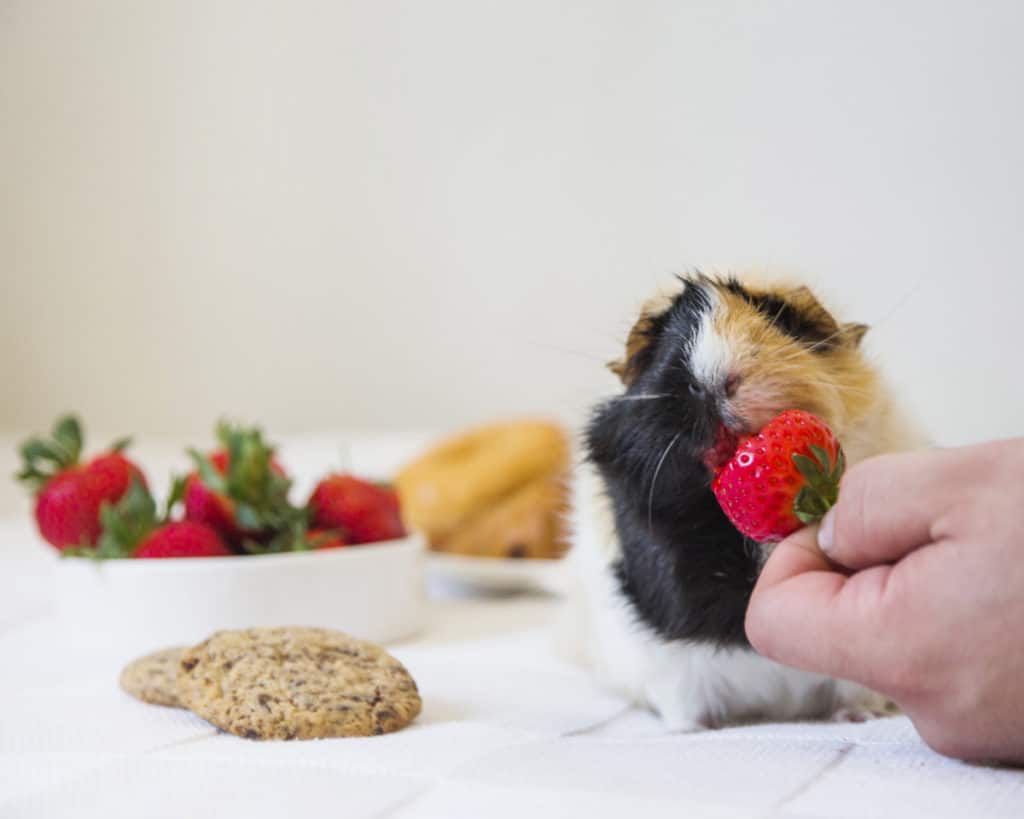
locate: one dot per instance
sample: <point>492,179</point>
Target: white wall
<point>354,214</point>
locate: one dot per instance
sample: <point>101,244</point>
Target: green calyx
<point>125,525</point>
<point>42,458</point>
<point>822,488</point>
<point>258,493</point>
<point>292,538</point>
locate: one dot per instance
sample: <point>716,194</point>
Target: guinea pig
<point>664,577</point>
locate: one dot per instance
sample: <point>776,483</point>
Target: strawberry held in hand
<point>364,511</point>
<point>782,478</point>
<point>70,495</point>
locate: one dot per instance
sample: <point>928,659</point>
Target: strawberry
<point>241,491</point>
<point>183,539</point>
<point>780,479</point>
<point>69,494</point>
<point>131,528</point>
<point>364,511</point>
<point>324,539</point>
<point>204,505</point>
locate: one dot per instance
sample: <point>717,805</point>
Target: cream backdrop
<point>419,214</point>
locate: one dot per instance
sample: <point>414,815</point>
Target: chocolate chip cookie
<point>296,683</point>
<point>153,678</point>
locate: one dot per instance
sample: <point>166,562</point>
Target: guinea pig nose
<point>696,390</point>
<point>732,383</point>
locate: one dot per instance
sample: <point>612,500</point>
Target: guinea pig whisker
<point>810,348</point>
<point>796,349</point>
<point>650,397</point>
<point>830,337</point>
<point>654,481</point>
<point>783,370</point>
<point>778,314</point>
<point>800,348</point>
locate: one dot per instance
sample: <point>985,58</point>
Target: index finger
<point>889,505</point>
<point>806,614</point>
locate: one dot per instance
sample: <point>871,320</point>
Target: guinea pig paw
<point>683,724</point>
<point>689,727</point>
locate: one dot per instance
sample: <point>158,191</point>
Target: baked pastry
<point>153,678</point>
<point>497,490</point>
<point>528,523</point>
<point>473,471</point>
<point>296,683</point>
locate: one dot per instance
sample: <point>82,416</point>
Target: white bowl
<point>374,592</point>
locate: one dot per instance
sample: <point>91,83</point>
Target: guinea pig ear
<point>627,368</point>
<point>640,338</point>
<point>853,333</point>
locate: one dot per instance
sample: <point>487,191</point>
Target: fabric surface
<point>507,730</point>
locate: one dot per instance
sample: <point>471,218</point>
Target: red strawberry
<point>324,539</point>
<point>202,504</point>
<point>784,477</point>
<point>70,495</point>
<point>240,490</point>
<point>184,539</point>
<point>364,511</point>
<point>132,528</point>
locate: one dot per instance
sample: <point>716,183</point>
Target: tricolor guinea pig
<point>664,577</point>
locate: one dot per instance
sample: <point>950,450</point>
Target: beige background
<point>407,214</point>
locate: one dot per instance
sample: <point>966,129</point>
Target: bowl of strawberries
<point>229,547</point>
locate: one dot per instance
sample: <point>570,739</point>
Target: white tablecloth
<point>507,730</point>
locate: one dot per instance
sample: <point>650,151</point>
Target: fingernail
<point>827,531</point>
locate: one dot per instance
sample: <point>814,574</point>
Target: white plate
<point>495,574</point>
<point>375,592</point>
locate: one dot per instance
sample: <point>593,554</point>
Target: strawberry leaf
<point>44,457</point>
<point>126,523</point>
<point>812,473</point>
<point>258,491</point>
<point>822,457</point>
<point>292,539</point>
<point>822,489</point>
<point>177,494</point>
<point>39,449</point>
<point>808,507</point>
<point>208,473</point>
<point>837,473</point>
<point>121,444</point>
<point>81,551</point>
<point>247,517</point>
<point>67,432</point>
<point>32,478</point>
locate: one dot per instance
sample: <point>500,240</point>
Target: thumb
<point>887,506</point>
<point>804,613</point>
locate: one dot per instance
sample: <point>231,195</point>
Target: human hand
<point>931,611</point>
